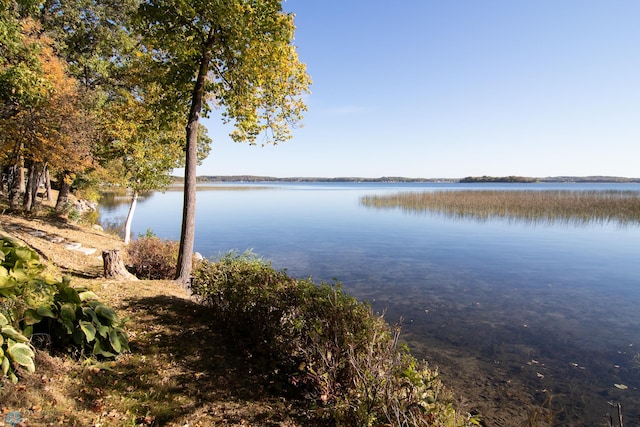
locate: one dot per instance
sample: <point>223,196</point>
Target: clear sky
<point>455,88</point>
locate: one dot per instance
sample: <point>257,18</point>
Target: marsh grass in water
<point>536,207</point>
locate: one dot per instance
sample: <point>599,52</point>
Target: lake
<point>518,316</point>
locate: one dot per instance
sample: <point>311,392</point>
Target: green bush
<point>22,285</point>
<point>32,302</point>
<point>323,344</point>
<point>149,257</point>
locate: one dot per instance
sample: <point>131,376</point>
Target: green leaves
<point>140,146</point>
<point>73,317</point>
<point>9,332</point>
<point>88,329</point>
<point>21,75</point>
<point>23,355</point>
<point>87,323</point>
<point>14,349</point>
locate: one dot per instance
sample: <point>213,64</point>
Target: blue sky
<point>453,88</point>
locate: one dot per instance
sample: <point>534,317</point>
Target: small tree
<point>237,54</point>
<point>140,149</point>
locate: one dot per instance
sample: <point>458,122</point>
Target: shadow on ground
<point>181,371</point>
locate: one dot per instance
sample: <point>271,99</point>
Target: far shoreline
<point>596,179</point>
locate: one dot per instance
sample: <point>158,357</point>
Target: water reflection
<point>548,207</point>
<point>113,199</point>
<point>114,205</point>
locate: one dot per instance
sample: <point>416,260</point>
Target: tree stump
<point>114,266</point>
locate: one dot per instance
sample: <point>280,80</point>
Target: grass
<point>531,206</point>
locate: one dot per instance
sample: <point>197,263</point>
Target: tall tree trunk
<point>15,187</point>
<point>21,177</point>
<point>35,180</point>
<point>187,234</point>
<point>31,188</point>
<point>127,223</point>
<point>65,189</point>
<point>47,183</point>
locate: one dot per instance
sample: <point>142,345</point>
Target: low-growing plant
<point>319,342</point>
<point>22,280</point>
<point>77,321</point>
<point>15,350</point>
<point>149,257</point>
<point>31,301</point>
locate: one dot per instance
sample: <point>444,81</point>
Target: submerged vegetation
<point>532,206</point>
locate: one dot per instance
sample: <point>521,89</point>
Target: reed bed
<point>532,206</point>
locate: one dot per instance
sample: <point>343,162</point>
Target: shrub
<point>149,257</point>
<point>90,217</point>
<point>22,280</point>
<point>323,344</point>
<point>22,285</point>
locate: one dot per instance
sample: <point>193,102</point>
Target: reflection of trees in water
<point>537,207</point>
<point>112,199</point>
<point>114,225</point>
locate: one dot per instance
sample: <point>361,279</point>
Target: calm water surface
<point>511,312</point>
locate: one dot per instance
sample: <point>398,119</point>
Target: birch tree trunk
<point>129,220</point>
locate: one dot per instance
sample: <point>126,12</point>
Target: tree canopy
<point>89,84</point>
<point>22,80</point>
<point>233,54</point>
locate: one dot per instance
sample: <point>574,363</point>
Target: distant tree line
<point>592,179</point>
<point>254,178</point>
<point>519,179</point>
<point>508,179</point>
<point>576,179</point>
